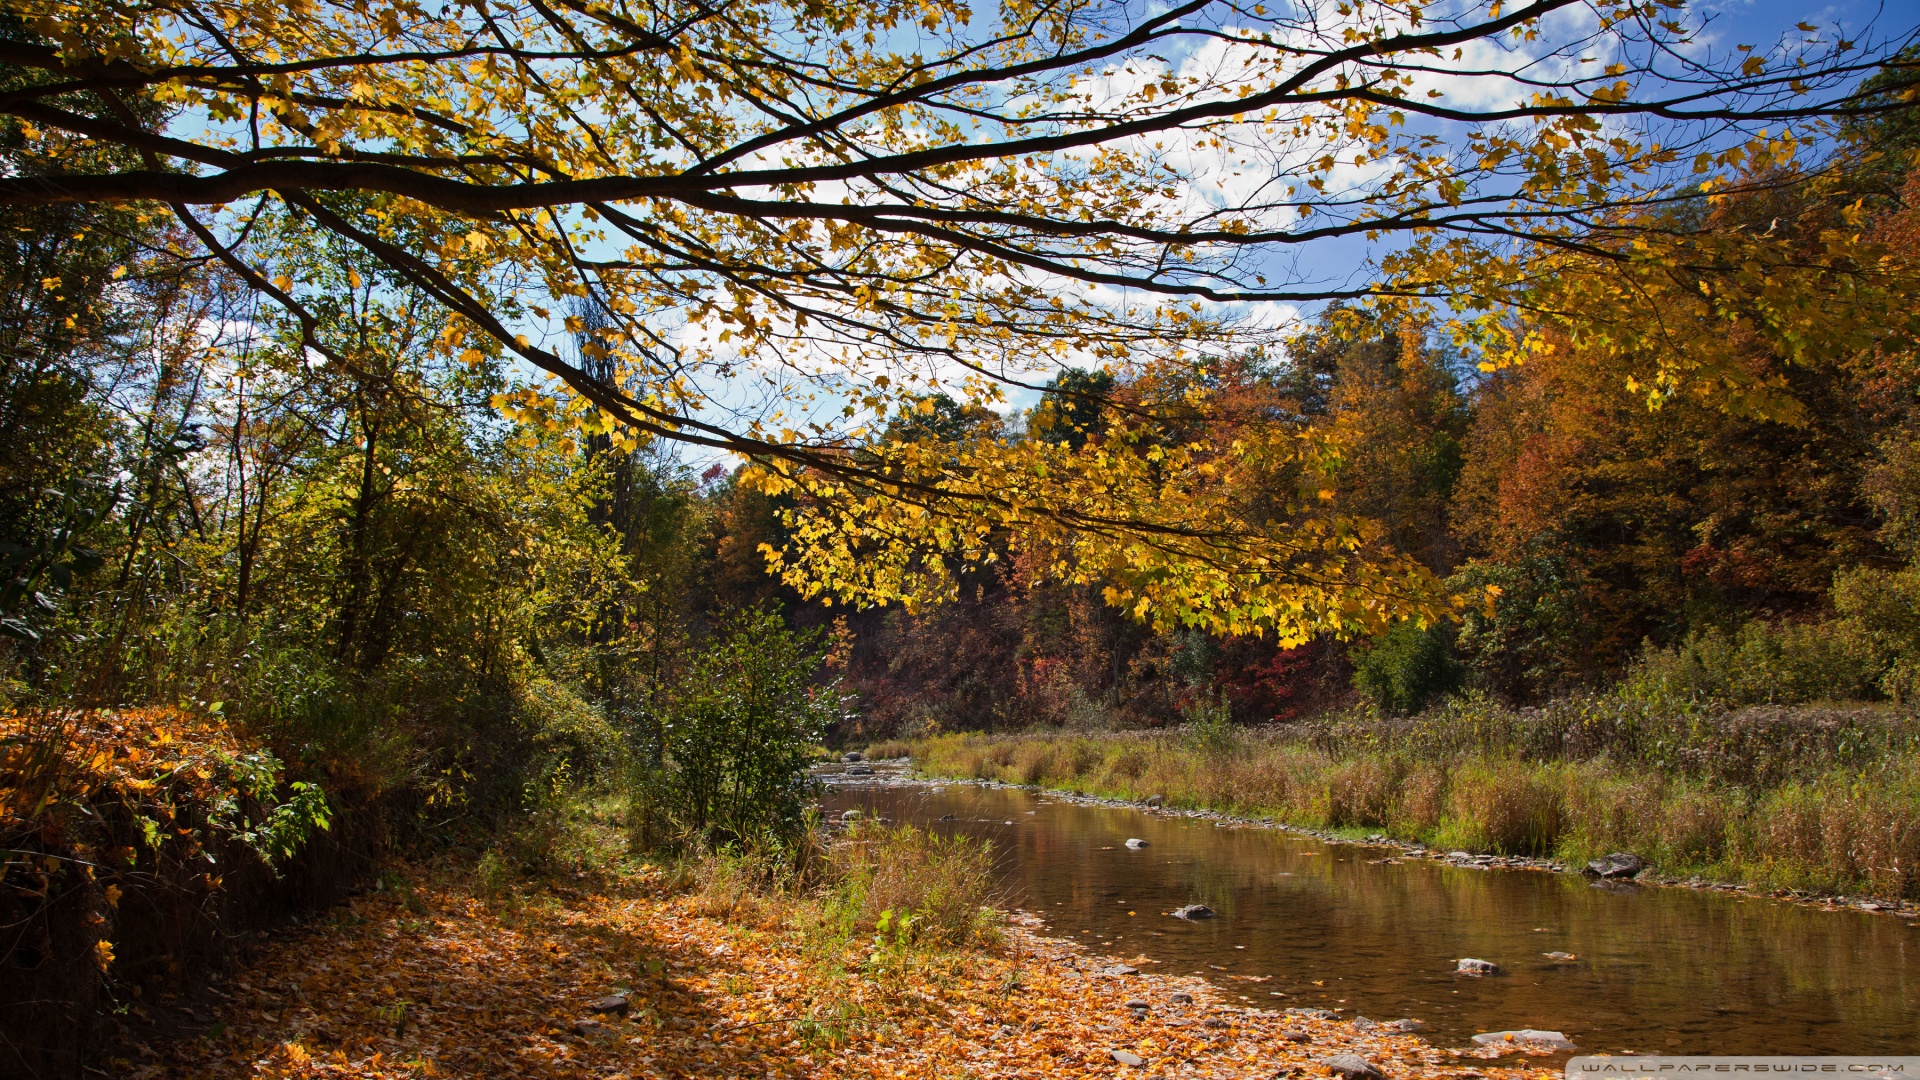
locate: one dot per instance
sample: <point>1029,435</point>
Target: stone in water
<point>1546,1040</point>
<point>1620,864</point>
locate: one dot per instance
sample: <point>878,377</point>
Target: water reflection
<point>1301,923</point>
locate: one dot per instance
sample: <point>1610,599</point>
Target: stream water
<point>1349,927</point>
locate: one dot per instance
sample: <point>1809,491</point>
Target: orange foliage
<point>436,982</point>
<point>158,760</point>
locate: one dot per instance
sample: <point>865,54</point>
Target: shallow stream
<point>1353,928</point>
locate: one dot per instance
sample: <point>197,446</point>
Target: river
<point>1353,928</point>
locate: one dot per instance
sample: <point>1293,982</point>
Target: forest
<point>318,565</point>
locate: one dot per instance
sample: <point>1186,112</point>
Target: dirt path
<point>429,980</point>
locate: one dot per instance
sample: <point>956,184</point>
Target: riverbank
<point>1800,823</point>
<point>432,976</point>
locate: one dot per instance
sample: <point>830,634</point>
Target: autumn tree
<point>796,221</point>
<point>1392,402</point>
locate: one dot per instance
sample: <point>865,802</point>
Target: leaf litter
<point>430,980</point>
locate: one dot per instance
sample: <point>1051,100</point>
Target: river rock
<point>1620,864</point>
<point>584,1028</point>
<point>948,817</point>
<point>850,816</point>
<point>1314,1014</point>
<point>1125,1058</point>
<point>612,1003</point>
<point>1136,843</point>
<point>1549,1040</point>
<point>1353,1067</point>
<point>1402,1026</point>
<point>1180,997</point>
<point>853,755</point>
<point>1467,965</point>
<point>1138,1005</point>
<point>1560,956</point>
<point>1361,1023</point>
<point>1193,912</point>
<point>859,770</point>
<point>1295,1035</point>
<point>1156,801</point>
<point>1118,970</point>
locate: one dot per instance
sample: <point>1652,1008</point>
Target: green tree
<point>744,728</point>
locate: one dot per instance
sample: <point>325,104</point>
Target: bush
<point>570,736</point>
<point>1758,665</point>
<point>139,842</point>
<point>1407,668</point>
<point>1209,727</point>
<point>745,724</point>
<point>1879,618</point>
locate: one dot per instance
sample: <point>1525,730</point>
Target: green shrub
<point>569,735</point>
<point>1879,619</point>
<point>745,724</point>
<point>1758,665</point>
<point>1407,668</point>
<point>1209,727</point>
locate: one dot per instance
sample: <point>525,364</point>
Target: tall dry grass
<point>931,891</point>
<point>1827,801</point>
<point>943,884</point>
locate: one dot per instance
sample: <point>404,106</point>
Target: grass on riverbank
<point>1819,799</point>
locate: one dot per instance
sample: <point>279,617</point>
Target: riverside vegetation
<point>1783,757</point>
<point>1823,799</point>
